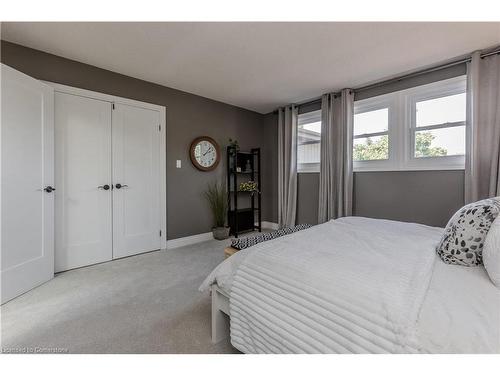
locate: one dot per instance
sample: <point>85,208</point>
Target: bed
<point>353,285</point>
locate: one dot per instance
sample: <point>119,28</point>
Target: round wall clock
<point>204,153</point>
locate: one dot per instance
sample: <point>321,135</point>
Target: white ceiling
<point>258,66</point>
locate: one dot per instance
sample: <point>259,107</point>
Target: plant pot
<point>220,233</point>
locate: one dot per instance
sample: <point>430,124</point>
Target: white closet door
<point>83,179</point>
<point>136,177</point>
<point>27,211</point>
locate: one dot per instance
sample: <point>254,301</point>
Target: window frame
<point>308,118</point>
<point>402,128</point>
<point>449,87</point>
<point>369,105</point>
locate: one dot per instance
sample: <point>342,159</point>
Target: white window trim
<point>402,128</point>
<point>308,167</point>
<point>433,91</point>
<point>308,118</point>
<point>373,104</point>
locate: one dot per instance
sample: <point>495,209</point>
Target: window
<point>309,141</point>
<point>420,128</point>
<point>371,135</point>
<point>439,126</point>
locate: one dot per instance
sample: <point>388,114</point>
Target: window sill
<point>410,169</point>
<point>307,171</point>
<point>415,169</point>
<point>308,168</point>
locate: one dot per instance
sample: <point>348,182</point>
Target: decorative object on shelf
<point>249,186</point>
<point>248,167</point>
<point>216,196</point>
<point>204,153</point>
<point>243,176</point>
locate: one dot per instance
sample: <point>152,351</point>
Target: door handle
<point>103,187</point>
<point>119,186</point>
<point>48,189</point>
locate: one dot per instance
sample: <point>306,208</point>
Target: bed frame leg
<point>220,321</point>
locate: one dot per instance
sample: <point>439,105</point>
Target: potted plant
<point>216,196</point>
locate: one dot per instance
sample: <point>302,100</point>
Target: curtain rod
<point>411,75</point>
<point>495,52</point>
<point>428,70</point>
<point>406,76</point>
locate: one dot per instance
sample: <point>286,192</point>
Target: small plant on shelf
<point>216,196</point>
<point>234,146</point>
<point>249,186</point>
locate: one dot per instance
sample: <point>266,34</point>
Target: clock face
<point>205,153</point>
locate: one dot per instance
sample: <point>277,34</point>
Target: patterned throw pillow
<point>465,233</point>
<point>243,243</point>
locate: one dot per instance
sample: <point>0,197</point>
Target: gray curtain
<point>483,117</point>
<point>287,166</point>
<point>335,178</point>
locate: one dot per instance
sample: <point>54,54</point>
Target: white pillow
<point>491,252</point>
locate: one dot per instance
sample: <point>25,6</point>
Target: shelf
<point>248,209</point>
<point>244,172</point>
<point>248,230</point>
<point>243,219</point>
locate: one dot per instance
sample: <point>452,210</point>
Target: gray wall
<point>307,198</point>
<point>188,116</point>
<point>427,197</point>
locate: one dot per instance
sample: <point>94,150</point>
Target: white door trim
<point>105,97</point>
<point>163,141</point>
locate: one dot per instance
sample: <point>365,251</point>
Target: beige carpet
<point>148,303</point>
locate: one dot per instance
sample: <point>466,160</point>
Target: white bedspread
<point>357,285</point>
<point>461,312</point>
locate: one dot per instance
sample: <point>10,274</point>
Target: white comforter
<point>349,285</point>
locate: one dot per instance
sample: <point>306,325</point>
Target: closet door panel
<point>27,167</point>
<point>83,168</point>
<point>136,194</point>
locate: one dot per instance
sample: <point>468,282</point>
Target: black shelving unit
<point>244,208</point>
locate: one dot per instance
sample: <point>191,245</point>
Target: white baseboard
<point>189,240</point>
<point>270,225</point>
